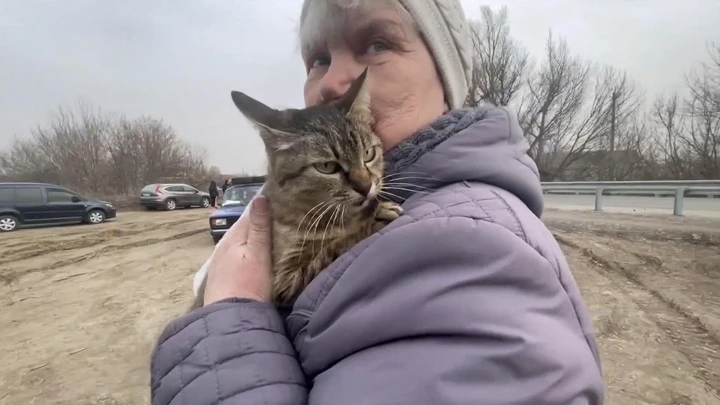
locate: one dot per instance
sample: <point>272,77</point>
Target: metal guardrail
<point>677,188</point>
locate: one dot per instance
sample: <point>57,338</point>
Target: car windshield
<point>240,194</point>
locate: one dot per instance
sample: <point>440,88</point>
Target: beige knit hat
<point>446,32</point>
<point>445,29</point>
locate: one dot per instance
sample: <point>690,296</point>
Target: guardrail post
<point>598,199</point>
<point>679,199</point>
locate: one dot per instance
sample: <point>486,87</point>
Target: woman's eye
<point>322,61</point>
<point>370,154</point>
<point>376,47</point>
<point>329,167</point>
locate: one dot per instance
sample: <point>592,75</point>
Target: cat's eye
<point>370,154</point>
<point>328,167</point>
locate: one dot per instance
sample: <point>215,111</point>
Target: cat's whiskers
<point>410,187</point>
<point>330,222</point>
<point>407,189</point>
<point>316,207</point>
<point>389,176</point>
<point>408,178</point>
<point>314,227</point>
<point>317,225</point>
<point>392,184</point>
<point>319,213</point>
<point>387,193</point>
<point>342,218</point>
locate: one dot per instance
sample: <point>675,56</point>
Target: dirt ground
<point>81,306</point>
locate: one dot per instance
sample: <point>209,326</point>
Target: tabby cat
<point>324,178</point>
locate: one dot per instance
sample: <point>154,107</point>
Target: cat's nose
<point>362,188</point>
<point>360,181</point>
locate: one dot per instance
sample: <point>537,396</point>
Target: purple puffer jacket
<point>466,299</point>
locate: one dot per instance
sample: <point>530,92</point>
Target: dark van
<point>41,203</point>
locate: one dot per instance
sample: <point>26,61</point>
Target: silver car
<point>169,196</point>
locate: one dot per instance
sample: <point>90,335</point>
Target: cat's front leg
<point>387,212</point>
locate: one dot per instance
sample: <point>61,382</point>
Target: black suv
<point>40,203</point>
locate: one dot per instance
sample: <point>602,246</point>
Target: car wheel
<point>216,239</point>
<point>8,223</point>
<point>95,217</point>
<point>170,204</point>
<point>205,202</point>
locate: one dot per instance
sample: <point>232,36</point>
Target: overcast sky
<point>179,59</point>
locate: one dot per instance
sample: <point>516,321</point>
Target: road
<point>81,306</point>
<point>705,207</point>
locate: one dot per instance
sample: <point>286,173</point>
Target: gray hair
<point>321,19</point>
<point>441,24</point>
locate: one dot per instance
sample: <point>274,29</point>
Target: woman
<point>213,191</point>
<point>466,299</point>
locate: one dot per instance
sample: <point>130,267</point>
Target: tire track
<point>634,227</point>
<point>13,275</point>
<point>105,308</point>
<point>699,344</point>
<point>48,245</point>
<point>104,242</point>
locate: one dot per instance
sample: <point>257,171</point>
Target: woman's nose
<point>337,80</point>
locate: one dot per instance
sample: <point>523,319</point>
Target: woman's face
<point>406,90</point>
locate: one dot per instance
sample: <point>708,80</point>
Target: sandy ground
<point>81,306</point>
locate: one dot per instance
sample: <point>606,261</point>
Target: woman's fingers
<point>241,264</point>
<point>253,227</point>
<point>238,232</point>
<point>259,226</point>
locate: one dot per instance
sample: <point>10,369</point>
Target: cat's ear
<point>269,120</point>
<point>356,102</point>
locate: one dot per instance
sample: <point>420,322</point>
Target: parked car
<point>42,203</point>
<point>235,200</point>
<point>171,196</point>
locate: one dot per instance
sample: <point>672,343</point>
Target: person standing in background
<point>213,191</point>
<point>225,186</point>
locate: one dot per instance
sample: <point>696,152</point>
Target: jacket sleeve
<point>230,352</point>
<point>452,311</point>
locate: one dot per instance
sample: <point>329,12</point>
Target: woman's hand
<point>241,264</point>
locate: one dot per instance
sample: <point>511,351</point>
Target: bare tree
<point>633,156</point>
<point>623,142</point>
<point>554,97</point>
<point>500,62</point>
<point>95,153</point>
<point>703,136</point>
<point>702,109</point>
<point>568,109</point>
<point>704,83</point>
<point>69,149</point>
<point>688,129</point>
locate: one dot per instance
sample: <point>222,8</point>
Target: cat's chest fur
<point>301,253</point>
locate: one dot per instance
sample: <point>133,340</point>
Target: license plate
<point>146,194</point>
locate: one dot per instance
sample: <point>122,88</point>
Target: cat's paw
<point>387,212</point>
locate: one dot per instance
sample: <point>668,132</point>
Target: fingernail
<point>260,204</point>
